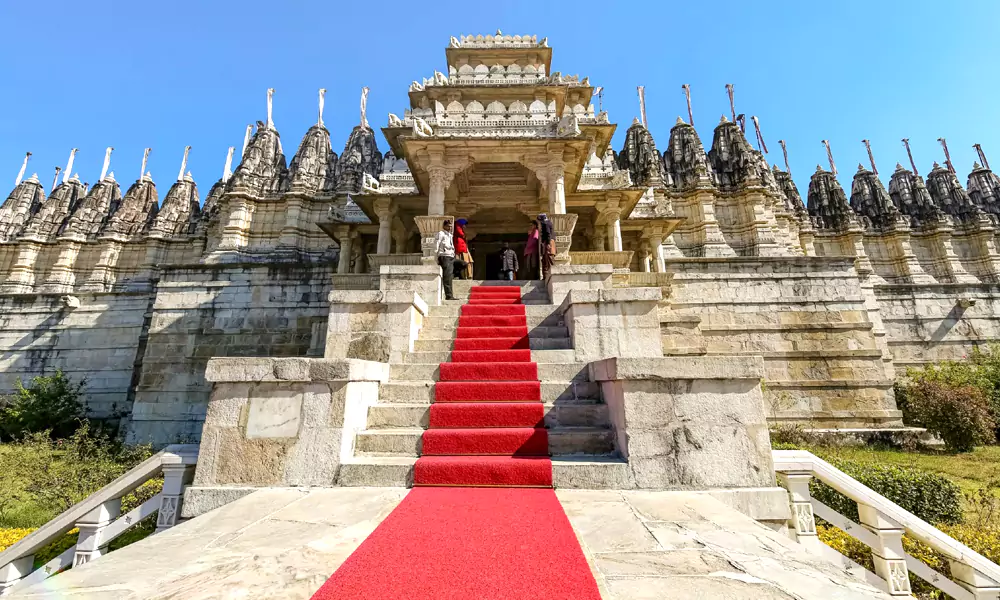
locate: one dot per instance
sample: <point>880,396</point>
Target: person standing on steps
<point>444,248</point>
<point>508,263</point>
<point>547,248</point>
<point>531,253</point>
<point>462,250</point>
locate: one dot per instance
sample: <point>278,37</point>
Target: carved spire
<point>90,213</point>
<point>308,169</point>
<point>24,165</point>
<point>136,210</point>
<point>685,160</point>
<point>640,157</point>
<point>107,163</point>
<point>949,194</point>
<point>733,159</point>
<point>790,193</point>
<point>22,204</point>
<point>263,168</point>
<point>910,196</point>
<point>984,189</point>
<point>179,206</point>
<point>61,203</point>
<point>828,205</point>
<point>870,199</point>
<point>361,155</point>
<point>69,165</point>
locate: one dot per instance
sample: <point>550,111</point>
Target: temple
<point>138,290</point>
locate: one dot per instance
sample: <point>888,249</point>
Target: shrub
<point>959,415</point>
<point>51,403</point>
<point>931,497</point>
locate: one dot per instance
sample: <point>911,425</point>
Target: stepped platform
<point>284,543</point>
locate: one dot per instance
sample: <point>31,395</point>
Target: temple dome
<point>263,169</point>
<point>22,204</point>
<point>55,210</point>
<point>311,166</point>
<point>361,155</point>
<point>950,196</point>
<point>733,158</point>
<point>911,198</point>
<point>685,160</point>
<point>179,206</point>
<point>640,157</point>
<point>870,199</point>
<point>136,210</point>
<point>828,205</point>
<point>91,213</point>
<point>984,189</point>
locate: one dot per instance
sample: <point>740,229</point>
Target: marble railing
<point>99,519</point>
<point>883,525</point>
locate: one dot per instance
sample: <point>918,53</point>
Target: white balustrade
<point>883,525</point>
<point>99,519</point>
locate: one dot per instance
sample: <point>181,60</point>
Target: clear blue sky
<point>167,74</point>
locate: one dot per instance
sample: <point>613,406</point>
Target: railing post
<point>90,544</point>
<point>889,557</point>
<point>980,586</point>
<point>803,523</point>
<point>14,571</point>
<point>176,477</point>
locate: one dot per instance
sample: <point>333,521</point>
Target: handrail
<point>98,515</point>
<point>883,524</point>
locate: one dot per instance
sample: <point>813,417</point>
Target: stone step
<point>422,392</point>
<point>532,311</point>
<point>564,414</point>
<point>445,333</point>
<point>521,283</point>
<point>566,441</point>
<point>451,321</point>
<point>546,372</point>
<point>538,356</point>
<point>445,344</point>
<point>589,473</point>
<point>530,300</point>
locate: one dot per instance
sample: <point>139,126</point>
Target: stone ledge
<point>230,370</point>
<point>431,270</point>
<point>199,500</point>
<point>675,367</point>
<point>638,294</point>
<point>582,270</point>
<point>377,297</point>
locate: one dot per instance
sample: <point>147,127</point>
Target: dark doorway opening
<point>485,250</point>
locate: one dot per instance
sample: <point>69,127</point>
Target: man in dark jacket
<point>508,262</point>
<point>547,245</point>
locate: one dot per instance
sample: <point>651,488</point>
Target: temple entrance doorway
<point>488,230</point>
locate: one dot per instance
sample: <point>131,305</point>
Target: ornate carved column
<point>399,236</point>
<point>345,235</point>
<point>440,179</point>
<point>612,219</point>
<point>562,230</point>
<point>237,223</point>
<point>429,226</point>
<point>295,206</point>
<point>91,543</point>
<point>384,211</point>
<point>22,273</point>
<point>888,555</point>
<point>556,182</point>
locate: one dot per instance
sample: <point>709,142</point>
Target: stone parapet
<point>621,322</point>
<point>564,278</point>
<point>275,422</point>
<point>373,325</point>
<point>689,423</point>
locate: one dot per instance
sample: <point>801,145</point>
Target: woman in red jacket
<point>462,249</point>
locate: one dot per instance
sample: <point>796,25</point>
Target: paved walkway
<point>282,544</point>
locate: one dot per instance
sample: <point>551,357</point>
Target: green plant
<point>959,414</point>
<point>931,497</point>
<point>52,403</point>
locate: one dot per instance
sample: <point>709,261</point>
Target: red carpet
<point>463,540</point>
<point>491,332</point>
<point>468,544</point>
<point>492,321</point>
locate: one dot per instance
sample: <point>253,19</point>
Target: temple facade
<point>837,294</point>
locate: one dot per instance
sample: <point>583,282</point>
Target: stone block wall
<point>97,340</point>
<point>202,312</point>
<point>825,362</point>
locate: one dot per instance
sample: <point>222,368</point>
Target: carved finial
<point>723,120</point>
<point>55,180</point>
<point>270,106</point>
<point>110,177</point>
<point>976,166</point>
<point>819,169</point>
<point>935,165</point>
<point>246,141</point>
<point>145,159</point>
<point>24,165</point>
<point>322,97</point>
<point>227,170</point>
<point>544,43</point>
<point>861,167</point>
<point>498,32</point>
<point>636,121</point>
<point>687,94</point>
<point>454,42</point>
<point>107,162</point>
<point>69,164</point>
<point>680,121</point>
<point>364,107</point>
<point>184,162</point>
<point>899,167</point>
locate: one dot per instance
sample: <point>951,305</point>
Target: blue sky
<point>166,74</point>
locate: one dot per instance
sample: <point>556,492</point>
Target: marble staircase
<point>581,440</point>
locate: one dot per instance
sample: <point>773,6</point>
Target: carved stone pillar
<point>562,230</point>
<point>429,226</point>
<point>61,277</point>
<point>556,176</point>
<point>715,245</point>
<point>345,235</point>
<point>399,236</point>
<point>440,178</point>
<point>175,478</point>
<point>888,555</point>
<point>237,224</point>
<point>22,273</point>
<point>101,278</point>
<point>91,543</point>
<point>291,233</point>
<point>612,219</point>
<point>384,212</point>
<point>803,523</point>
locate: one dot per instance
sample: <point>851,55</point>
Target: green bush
<point>959,415</point>
<point>52,403</point>
<point>931,497</point>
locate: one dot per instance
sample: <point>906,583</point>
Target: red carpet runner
<point>463,540</point>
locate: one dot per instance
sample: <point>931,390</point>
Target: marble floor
<point>282,544</point>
